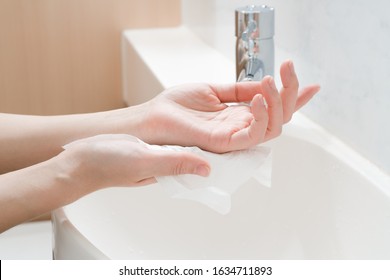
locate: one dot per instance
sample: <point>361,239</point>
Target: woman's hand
<point>85,166</point>
<point>197,114</point>
<point>121,160</point>
<point>191,115</point>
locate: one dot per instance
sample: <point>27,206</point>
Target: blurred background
<point>63,56</point>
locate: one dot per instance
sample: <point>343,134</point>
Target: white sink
<point>326,202</point>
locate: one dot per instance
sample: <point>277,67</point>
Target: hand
<point>197,115</point>
<point>121,160</point>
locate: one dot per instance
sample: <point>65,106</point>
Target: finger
<point>171,163</point>
<point>289,91</point>
<point>237,92</point>
<point>255,132</point>
<point>305,95</point>
<point>275,108</point>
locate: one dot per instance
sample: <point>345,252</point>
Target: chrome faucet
<point>255,30</point>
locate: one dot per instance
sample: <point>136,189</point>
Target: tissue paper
<point>229,171</point>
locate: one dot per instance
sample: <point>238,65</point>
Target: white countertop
<point>29,241</point>
<point>165,57</point>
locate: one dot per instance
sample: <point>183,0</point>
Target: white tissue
<point>229,171</point>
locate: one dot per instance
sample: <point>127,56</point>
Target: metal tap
<point>255,30</point>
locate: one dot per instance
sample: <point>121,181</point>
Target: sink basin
<point>326,202</point>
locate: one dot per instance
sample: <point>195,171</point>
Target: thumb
<point>176,163</point>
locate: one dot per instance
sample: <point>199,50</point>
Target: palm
<point>198,118</point>
<point>197,115</point>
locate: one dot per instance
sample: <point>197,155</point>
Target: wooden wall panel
<point>63,56</point>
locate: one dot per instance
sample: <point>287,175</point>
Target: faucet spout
<point>255,43</point>
<point>252,70</point>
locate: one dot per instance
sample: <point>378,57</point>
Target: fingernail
<point>261,99</point>
<point>291,66</point>
<point>271,83</point>
<point>202,170</point>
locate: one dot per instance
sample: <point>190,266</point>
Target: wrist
<point>67,173</point>
<point>38,189</point>
<point>77,173</point>
<point>134,120</point>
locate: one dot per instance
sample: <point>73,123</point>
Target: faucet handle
<point>248,32</point>
<point>255,30</point>
<point>255,21</point>
<point>249,36</point>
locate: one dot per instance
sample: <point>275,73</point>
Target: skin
<point>207,122</point>
<point>39,175</point>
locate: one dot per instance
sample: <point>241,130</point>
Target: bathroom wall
<point>63,56</point>
<point>343,45</point>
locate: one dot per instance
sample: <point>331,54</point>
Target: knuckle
<point>181,167</point>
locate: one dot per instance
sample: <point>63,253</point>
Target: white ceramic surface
<point>326,201</point>
<point>28,241</point>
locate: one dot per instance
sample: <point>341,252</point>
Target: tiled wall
<point>343,45</point>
